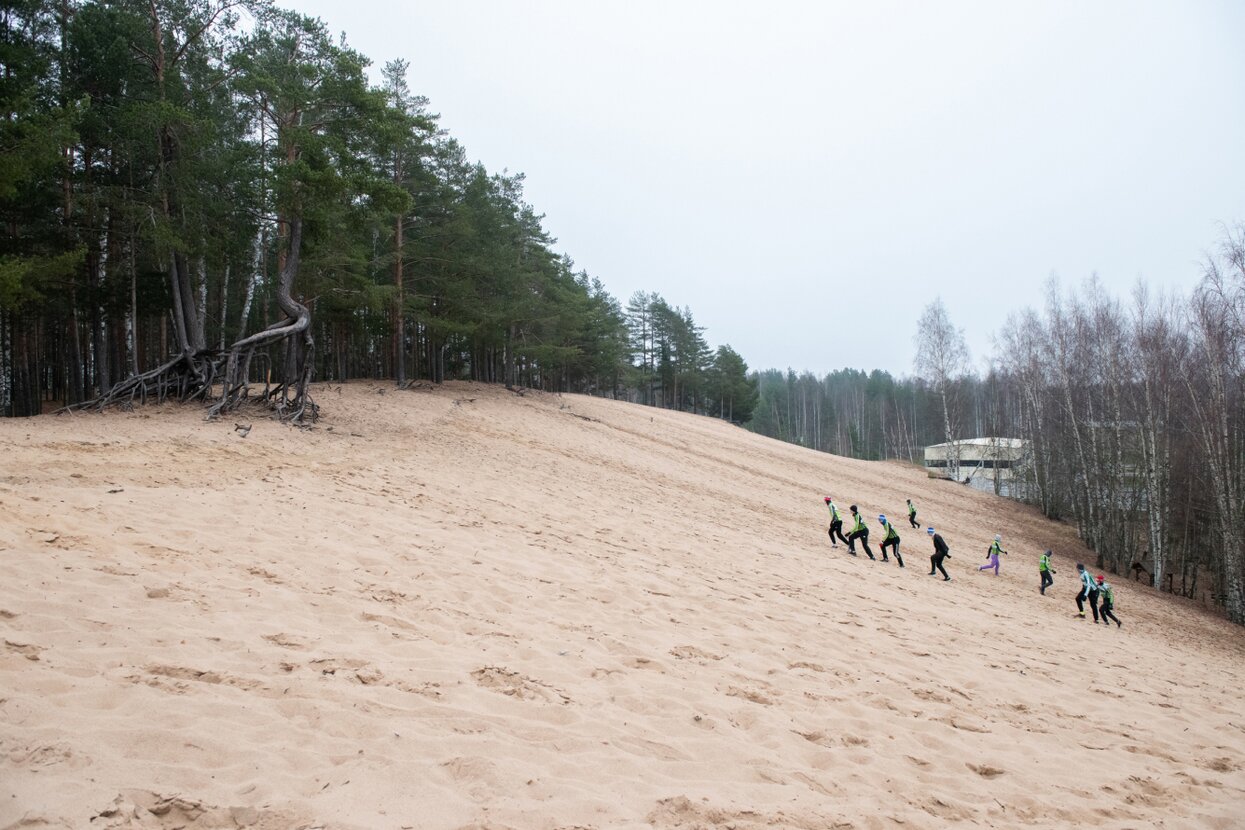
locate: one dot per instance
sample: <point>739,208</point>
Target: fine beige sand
<point>459,607</point>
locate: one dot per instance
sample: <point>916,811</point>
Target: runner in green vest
<point>859,531</point>
<point>836,524</point>
<point>1107,596</point>
<point>1046,572</point>
<point>912,515</point>
<point>891,539</point>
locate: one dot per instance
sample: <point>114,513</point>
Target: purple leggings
<point>993,563</point>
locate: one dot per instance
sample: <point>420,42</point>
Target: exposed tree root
<point>289,399</point>
<point>183,378</point>
<point>196,375</point>
<point>188,378</point>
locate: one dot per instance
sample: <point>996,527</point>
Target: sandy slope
<point>462,608</point>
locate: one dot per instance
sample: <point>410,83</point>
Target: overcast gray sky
<point>808,176</point>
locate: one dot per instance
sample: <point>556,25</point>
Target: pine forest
<point>209,201</point>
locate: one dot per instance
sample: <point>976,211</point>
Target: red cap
<point>1100,577</point>
<point>827,498</point>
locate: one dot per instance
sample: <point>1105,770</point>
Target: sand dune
<point>464,608</point>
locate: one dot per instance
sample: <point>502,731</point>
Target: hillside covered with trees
<point>209,200</point>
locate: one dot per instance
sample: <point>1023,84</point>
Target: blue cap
<point>882,518</point>
<point>931,531</point>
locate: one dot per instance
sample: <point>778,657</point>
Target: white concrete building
<point>990,464</point>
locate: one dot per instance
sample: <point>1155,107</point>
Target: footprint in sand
<point>264,574</point>
<point>385,595</point>
<point>682,812</point>
<point>642,663</point>
<point>394,622</point>
<point>157,675</point>
<point>516,685</point>
<point>41,755</point>
<point>985,770</point>
<point>947,812</point>
<point>285,641</point>
<point>804,665</point>
<point>751,695</point>
<point>469,768</point>
<point>962,725</point>
<point>30,652</point>
<point>692,653</point>
<point>650,749</point>
<point>819,738</point>
<point>931,695</point>
<point>165,812</point>
<point>1147,791</point>
<point>333,665</point>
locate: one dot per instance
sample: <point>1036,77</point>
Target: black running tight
<point>863,536</point>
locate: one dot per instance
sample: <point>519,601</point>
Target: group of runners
<point>859,530</point>
<point>1097,591</point>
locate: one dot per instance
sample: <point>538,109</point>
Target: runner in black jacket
<point>941,552</point>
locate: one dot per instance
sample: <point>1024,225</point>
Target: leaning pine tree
<point>313,96</point>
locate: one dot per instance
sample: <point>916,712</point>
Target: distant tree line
<point>208,200</point>
<point>870,415</point>
<point>1133,410</point>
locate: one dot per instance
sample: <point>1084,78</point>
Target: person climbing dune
<point>890,538</point>
<point>996,547</point>
<point>859,531</point>
<point>1089,590</point>
<point>1046,572</point>
<point>836,524</point>
<point>1108,603</point>
<point>941,552</point>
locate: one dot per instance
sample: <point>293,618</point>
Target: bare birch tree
<point>1160,353</point>
<point>942,358</point>
<point>1023,359</point>
<point>1216,399</point>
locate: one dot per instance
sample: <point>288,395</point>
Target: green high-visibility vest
<point>911,509</point>
<point>860,523</point>
<point>890,532</point>
<point>834,511</point>
<point>995,547</point>
<point>1044,564</point>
